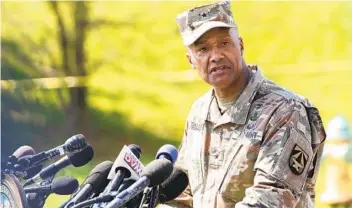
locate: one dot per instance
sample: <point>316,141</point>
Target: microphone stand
<point>145,197</point>
<point>153,196</point>
<point>40,199</point>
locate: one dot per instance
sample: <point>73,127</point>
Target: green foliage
<point>135,55</point>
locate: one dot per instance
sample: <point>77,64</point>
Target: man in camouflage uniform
<point>248,142</point>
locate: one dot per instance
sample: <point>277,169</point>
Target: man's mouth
<point>218,69</point>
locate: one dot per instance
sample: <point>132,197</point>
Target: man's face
<point>217,56</point>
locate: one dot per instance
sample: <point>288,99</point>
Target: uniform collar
<point>239,111</point>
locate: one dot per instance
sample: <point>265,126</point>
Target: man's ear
<point>241,45</point>
<point>190,60</point>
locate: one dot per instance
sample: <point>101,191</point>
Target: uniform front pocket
<point>238,174</point>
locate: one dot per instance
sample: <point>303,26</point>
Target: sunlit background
<point>117,73</point>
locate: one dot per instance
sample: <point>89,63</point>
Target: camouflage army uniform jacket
<point>264,151</point>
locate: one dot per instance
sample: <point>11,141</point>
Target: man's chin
<point>220,83</point>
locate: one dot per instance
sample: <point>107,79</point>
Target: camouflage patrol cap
<point>195,22</point>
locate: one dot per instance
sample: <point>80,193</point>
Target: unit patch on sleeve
<point>298,160</point>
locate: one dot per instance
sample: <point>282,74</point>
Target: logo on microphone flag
<point>126,159</point>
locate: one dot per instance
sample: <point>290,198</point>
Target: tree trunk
<point>78,101</point>
<point>73,59</point>
<point>63,38</point>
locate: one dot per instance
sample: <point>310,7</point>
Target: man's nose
<point>216,55</point>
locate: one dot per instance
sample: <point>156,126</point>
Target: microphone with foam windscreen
<point>23,151</point>
<point>167,152</point>
<point>64,185</point>
<point>101,200</point>
<point>76,159</point>
<point>36,196</point>
<point>170,188</point>
<point>94,183</point>
<point>20,152</point>
<point>152,175</point>
<point>12,160</point>
<point>73,144</point>
<point>173,186</point>
<point>12,167</point>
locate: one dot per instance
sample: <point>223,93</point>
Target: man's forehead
<point>220,32</point>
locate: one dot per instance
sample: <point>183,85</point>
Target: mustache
<point>219,65</point>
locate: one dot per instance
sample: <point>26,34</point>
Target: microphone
<point>23,151</point>
<point>153,174</point>
<point>94,183</point>
<point>168,152</point>
<point>14,168</point>
<point>20,152</point>
<point>32,171</point>
<point>76,159</point>
<point>122,167</point>
<point>136,150</point>
<point>126,165</point>
<point>35,200</point>
<point>173,186</point>
<point>73,144</point>
<point>170,188</point>
<point>134,202</point>
<point>65,185</point>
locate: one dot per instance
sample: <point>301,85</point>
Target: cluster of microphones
<point>126,182</point>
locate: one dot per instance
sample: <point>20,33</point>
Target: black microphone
<point>136,150</point>
<point>20,152</point>
<point>65,185</point>
<point>32,171</point>
<point>14,168</point>
<point>25,173</point>
<point>76,159</point>
<point>107,197</point>
<point>173,186</point>
<point>134,202</point>
<point>36,196</point>
<point>152,175</point>
<point>35,200</point>
<point>23,151</point>
<point>123,169</point>
<point>73,144</point>
<point>168,152</point>
<point>169,189</point>
<point>94,183</point>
